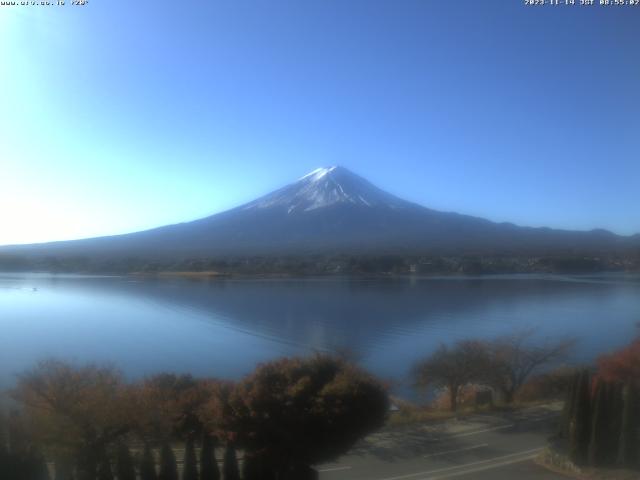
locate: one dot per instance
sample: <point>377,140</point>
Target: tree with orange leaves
<point>167,405</point>
<point>622,366</point>
<point>75,411</point>
<point>296,412</point>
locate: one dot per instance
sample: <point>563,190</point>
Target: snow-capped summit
<point>324,187</point>
<point>318,173</point>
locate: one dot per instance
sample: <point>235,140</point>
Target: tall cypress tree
<point>4,460</point>
<point>87,464</point>
<point>256,468</point>
<point>148,465</point>
<point>104,469</point>
<point>168,465</point>
<point>599,425</point>
<point>63,468</point>
<point>629,446</point>
<point>579,426</point>
<point>11,466</point>
<point>190,469</point>
<point>124,463</point>
<point>41,469</point>
<point>615,422</point>
<point>208,464</point>
<point>35,466</point>
<point>230,466</point>
<point>252,468</point>
<point>567,409</point>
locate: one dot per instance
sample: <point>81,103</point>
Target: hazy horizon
<point>506,112</point>
<point>240,205</point>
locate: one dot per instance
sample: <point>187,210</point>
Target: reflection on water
<point>224,327</point>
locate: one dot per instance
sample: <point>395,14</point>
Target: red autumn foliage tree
<point>168,405</point>
<point>296,412</point>
<point>622,366</point>
<point>75,411</point>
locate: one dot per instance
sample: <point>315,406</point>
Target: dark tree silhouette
<point>124,463</point>
<point>88,459</point>
<point>148,465</point>
<point>599,425</point>
<point>208,465</point>
<point>63,468</point>
<point>4,458</point>
<point>569,404</point>
<point>303,411</point>
<point>230,466</point>
<point>190,468</point>
<point>613,429</point>
<point>168,465</point>
<point>34,466</point>
<point>629,445</point>
<point>104,469</point>
<point>580,424</point>
<point>256,468</point>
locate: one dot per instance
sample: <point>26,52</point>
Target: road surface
<point>478,447</point>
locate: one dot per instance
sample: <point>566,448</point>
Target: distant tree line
<point>337,264</point>
<point>90,424</point>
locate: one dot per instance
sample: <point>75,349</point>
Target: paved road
<point>480,447</point>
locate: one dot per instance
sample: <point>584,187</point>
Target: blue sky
<point>119,116</point>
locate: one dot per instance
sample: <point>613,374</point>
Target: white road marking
<point>476,432</point>
<point>466,449</point>
<point>527,455</point>
<point>334,469</point>
<point>485,467</point>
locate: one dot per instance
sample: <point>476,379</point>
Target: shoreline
<point>211,274</point>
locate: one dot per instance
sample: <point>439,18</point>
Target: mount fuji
<point>332,210</point>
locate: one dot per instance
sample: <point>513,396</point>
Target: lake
<point>225,327</point>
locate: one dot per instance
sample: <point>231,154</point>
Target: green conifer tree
<point>208,464</point>
<point>124,463</point>
<point>614,415</point>
<point>10,466</point>
<point>148,465</point>
<point>4,459</point>
<point>104,469</point>
<point>230,466</point>
<point>580,423</point>
<point>629,445</point>
<point>190,468</point>
<point>567,409</point>
<point>34,466</point>
<point>168,464</point>
<point>599,425</point>
<point>63,467</point>
<point>255,468</point>
<point>87,463</point>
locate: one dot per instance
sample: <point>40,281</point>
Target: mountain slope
<point>332,210</point>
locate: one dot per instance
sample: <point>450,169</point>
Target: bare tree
<point>515,357</point>
<point>453,367</point>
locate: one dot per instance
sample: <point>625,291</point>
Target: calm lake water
<point>225,327</point>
